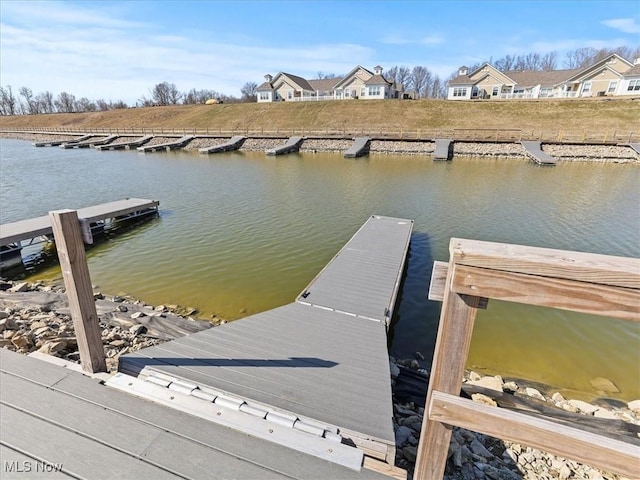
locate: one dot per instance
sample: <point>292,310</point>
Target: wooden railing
<point>478,271</point>
<point>606,137</point>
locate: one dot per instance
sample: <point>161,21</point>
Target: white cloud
<point>626,25</point>
<point>433,39</point>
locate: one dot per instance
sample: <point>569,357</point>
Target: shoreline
<point>562,152</point>
<point>34,317</point>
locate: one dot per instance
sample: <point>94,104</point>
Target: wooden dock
<point>41,226</point>
<point>61,424</point>
<point>359,148</point>
<point>443,149</point>
<point>534,151</point>
<point>292,145</point>
<point>233,144</point>
<point>179,143</point>
<point>321,361</point>
<point>125,145</point>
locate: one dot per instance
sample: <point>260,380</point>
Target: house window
<point>634,85</point>
<point>347,93</point>
<point>374,91</point>
<point>494,92</point>
<point>362,91</point>
<point>612,86</point>
<point>460,91</point>
<point>586,88</point>
<point>290,94</point>
<point>264,95</point>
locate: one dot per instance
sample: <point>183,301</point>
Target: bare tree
<point>580,57</point>
<point>28,105</point>
<point>193,96</point>
<point>8,101</point>
<point>322,76</point>
<point>421,79</point>
<point>549,61</point>
<point>249,92</point>
<point>392,74</point>
<point>45,102</point>
<point>85,105</point>
<point>164,93</point>
<point>65,103</point>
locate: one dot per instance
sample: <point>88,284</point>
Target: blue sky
<point>120,50</point>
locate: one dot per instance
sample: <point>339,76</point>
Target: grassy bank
<point>572,116</point>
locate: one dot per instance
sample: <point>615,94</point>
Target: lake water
<point>240,233</point>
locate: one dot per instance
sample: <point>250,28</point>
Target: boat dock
<point>318,365</point>
<point>300,391</point>
<point>292,145</point>
<point>635,147</point>
<point>41,226</point>
<point>57,143</point>
<point>125,145</point>
<point>534,151</point>
<point>443,149</point>
<point>233,144</point>
<point>181,142</point>
<point>359,148</point>
<point>89,143</point>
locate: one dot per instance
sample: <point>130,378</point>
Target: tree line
<point>419,80</point>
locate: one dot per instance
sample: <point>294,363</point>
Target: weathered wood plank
<point>602,452</point>
<point>452,346</point>
<point>546,262</point>
<point>75,272</point>
<point>438,281</point>
<point>552,292</point>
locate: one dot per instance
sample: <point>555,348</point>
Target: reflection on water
<point>240,233</point>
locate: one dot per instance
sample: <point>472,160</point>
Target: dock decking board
<point>36,227</point>
<point>359,148</point>
<point>443,149</point>
<point>59,416</point>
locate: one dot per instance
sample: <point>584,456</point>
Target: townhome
<point>611,76</point>
<point>359,83</point>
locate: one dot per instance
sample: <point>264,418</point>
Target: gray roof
<point>324,84</point>
<point>265,87</point>
<point>377,80</point>
<point>530,78</point>
<point>632,72</point>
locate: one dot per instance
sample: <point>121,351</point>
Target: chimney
<point>637,61</point>
<point>268,78</point>
<point>378,70</point>
<point>463,70</point>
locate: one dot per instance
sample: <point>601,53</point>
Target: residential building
<point>611,76</point>
<point>359,83</point>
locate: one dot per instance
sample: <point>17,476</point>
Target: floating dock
<point>534,151</point>
<point>319,363</point>
<point>57,143</point>
<point>292,145</point>
<point>41,226</point>
<point>635,146</point>
<point>359,148</point>
<point>89,143</point>
<point>125,145</point>
<point>233,144</point>
<point>181,142</point>
<point>443,149</point>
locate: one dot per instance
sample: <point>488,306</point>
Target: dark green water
<point>240,233</point>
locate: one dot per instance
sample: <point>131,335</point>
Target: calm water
<point>240,233</point>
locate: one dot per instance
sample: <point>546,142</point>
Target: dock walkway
<point>635,146</point>
<point>321,360</point>
<point>89,143</point>
<point>359,148</point>
<point>39,226</point>
<point>179,143</point>
<point>443,149</point>
<point>61,424</point>
<point>233,144</point>
<point>126,144</point>
<point>292,145</point>
<point>534,151</point>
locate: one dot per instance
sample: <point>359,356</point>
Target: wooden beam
<point>384,468</point>
<point>570,442</point>
<point>75,272</point>
<point>450,355</point>
<point>579,296</point>
<point>438,281</point>
<point>546,262</point>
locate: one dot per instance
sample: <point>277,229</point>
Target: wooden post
<point>447,371</point>
<point>75,272</point>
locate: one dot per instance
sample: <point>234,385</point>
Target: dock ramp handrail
<point>478,271</point>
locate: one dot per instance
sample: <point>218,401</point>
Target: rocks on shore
<point>474,456</point>
<point>30,322</point>
<point>565,152</point>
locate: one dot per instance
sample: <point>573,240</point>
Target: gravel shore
<point>562,152</point>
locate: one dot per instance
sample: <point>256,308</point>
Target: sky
<point>118,50</point>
